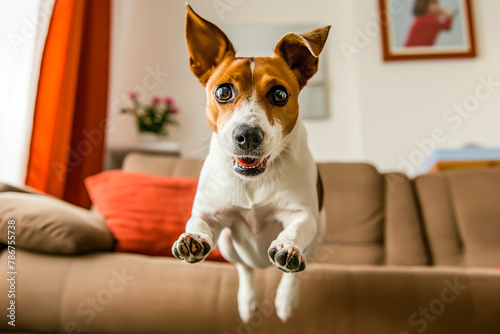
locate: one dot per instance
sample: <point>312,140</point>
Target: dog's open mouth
<point>249,166</point>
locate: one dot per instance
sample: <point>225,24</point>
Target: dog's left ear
<point>301,52</point>
<point>208,45</point>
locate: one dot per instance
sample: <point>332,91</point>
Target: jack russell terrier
<point>259,195</point>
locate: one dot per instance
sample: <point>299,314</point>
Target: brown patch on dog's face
<point>236,73</point>
<point>253,78</point>
<point>274,73</point>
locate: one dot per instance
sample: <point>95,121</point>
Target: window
<point>23,29</point>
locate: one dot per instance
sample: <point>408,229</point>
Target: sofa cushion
<point>46,224</point>
<point>146,213</point>
<point>141,294</point>
<point>461,211</point>
<point>403,233</point>
<point>354,203</point>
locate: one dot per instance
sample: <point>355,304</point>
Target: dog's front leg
<point>287,296</point>
<point>287,251</point>
<point>196,243</point>
<point>247,300</point>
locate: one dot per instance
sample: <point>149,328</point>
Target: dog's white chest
<point>255,220</point>
<point>253,230</point>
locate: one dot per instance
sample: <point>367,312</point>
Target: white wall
<point>377,109</point>
<point>404,102</point>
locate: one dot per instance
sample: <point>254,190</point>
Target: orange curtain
<point>69,125</point>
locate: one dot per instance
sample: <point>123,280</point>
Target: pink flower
<point>156,100</point>
<point>132,95</point>
<point>175,111</point>
<point>169,101</point>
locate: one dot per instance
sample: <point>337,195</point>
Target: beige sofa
<point>399,256</point>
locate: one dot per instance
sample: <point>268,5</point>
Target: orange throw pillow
<point>146,213</point>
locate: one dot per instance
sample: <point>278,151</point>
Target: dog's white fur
<point>246,216</point>
<point>252,114</point>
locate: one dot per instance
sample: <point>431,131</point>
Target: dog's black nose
<point>248,138</point>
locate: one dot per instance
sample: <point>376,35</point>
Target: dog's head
<point>252,102</point>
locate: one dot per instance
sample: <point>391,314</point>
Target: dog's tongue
<point>248,162</point>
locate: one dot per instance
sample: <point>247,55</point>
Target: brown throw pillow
<point>7,187</point>
<point>47,224</point>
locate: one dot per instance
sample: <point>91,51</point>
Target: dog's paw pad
<point>287,258</point>
<point>191,248</point>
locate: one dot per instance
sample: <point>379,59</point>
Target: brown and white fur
<point>259,193</point>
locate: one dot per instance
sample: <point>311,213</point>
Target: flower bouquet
<point>153,117</point>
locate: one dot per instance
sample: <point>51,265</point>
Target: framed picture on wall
<point>426,29</point>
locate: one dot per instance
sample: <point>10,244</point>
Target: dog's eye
<point>224,93</point>
<point>278,96</point>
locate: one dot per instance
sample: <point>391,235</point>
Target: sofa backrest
<point>162,165</point>
<point>371,217</point>
<point>461,215</point>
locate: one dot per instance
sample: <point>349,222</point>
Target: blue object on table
<point>462,154</point>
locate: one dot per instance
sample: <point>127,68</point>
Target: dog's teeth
<point>252,165</point>
<point>247,167</point>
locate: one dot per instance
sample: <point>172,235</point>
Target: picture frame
<point>413,29</point>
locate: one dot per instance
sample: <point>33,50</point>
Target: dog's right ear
<point>208,46</point>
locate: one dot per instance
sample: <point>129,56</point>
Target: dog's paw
<point>191,248</point>
<point>287,258</point>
